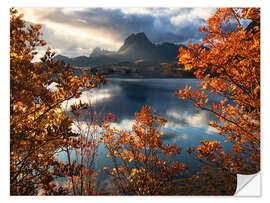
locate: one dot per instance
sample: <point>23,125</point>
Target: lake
<point>186,125</point>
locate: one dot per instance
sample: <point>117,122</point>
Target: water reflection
<point>186,124</point>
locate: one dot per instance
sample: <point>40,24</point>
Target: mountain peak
<point>136,46</point>
<point>135,41</point>
<point>98,52</point>
<point>141,36</point>
<point>137,38</point>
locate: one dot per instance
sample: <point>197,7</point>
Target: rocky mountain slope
<point>135,47</point>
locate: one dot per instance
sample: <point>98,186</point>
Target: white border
<point>136,3</point>
<point>124,3</point>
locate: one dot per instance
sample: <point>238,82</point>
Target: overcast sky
<point>77,31</point>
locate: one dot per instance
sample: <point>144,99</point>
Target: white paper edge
<point>248,185</point>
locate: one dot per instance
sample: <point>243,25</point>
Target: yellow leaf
<point>13,55</point>
<point>234,87</point>
<point>211,123</point>
<point>108,154</point>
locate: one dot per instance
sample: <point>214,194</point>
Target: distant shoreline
<point>148,75</point>
<point>155,77</point>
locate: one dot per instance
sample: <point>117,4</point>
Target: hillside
<point>135,47</point>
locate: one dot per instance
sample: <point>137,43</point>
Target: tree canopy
<point>229,67</point>
<point>38,127</point>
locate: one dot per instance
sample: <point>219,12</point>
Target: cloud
<point>76,31</point>
<point>125,124</point>
<point>211,130</point>
<point>91,97</point>
<point>199,120</point>
<point>188,119</point>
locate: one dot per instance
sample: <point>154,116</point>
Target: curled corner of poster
<point>248,185</point>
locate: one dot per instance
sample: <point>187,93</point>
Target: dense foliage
<point>38,127</point>
<point>229,67</point>
<point>143,165</point>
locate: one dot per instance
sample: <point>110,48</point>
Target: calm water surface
<point>186,124</point>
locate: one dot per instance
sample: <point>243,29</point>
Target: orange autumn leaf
<point>227,62</point>
<point>39,128</point>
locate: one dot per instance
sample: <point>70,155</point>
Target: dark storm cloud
<point>120,25</point>
<point>77,31</point>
